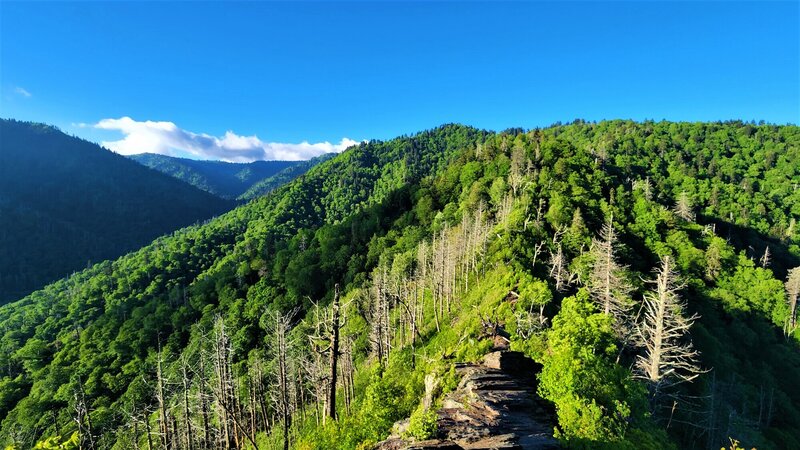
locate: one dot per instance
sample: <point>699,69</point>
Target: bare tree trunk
<point>82,418</point>
<point>163,426</point>
<point>376,318</point>
<point>558,264</point>
<point>435,274</point>
<point>204,403</point>
<point>334,356</point>
<point>187,421</point>
<point>135,432</point>
<point>766,259</point>
<point>607,285</point>
<point>792,294</point>
<point>220,372</point>
<point>387,320</point>
<point>251,391</point>
<point>284,406</point>
<point>667,359</point>
<point>683,207</point>
<point>149,433</point>
<point>347,373</point>
<point>176,442</point>
<point>261,393</point>
<point>235,389</point>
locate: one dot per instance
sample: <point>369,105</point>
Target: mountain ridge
<point>224,179</point>
<point>431,246</point>
<point>91,195</point>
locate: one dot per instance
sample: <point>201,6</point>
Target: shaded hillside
<point>66,203</point>
<point>223,179</point>
<point>286,175</point>
<point>314,316</point>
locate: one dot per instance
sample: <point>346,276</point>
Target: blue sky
<point>209,80</point>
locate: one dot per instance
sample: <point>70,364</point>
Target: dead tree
<point>333,354</point>
<point>326,342</point>
<point>504,208</point>
<point>148,429</point>
<point>516,174</point>
<point>259,394</point>
<point>536,251</point>
<point>283,396</point>
<point>411,313</point>
<point>668,357</point>
<point>792,293</point>
<point>607,284</point>
<point>477,236</point>
<point>466,249</point>
<point>790,229</point>
<point>766,258</point>
<point>375,319</point>
<point>132,422</point>
<point>683,207</point>
<point>252,393</point>
<point>224,391</point>
<point>379,316</point>
<point>449,255</point>
<point>186,414</point>
<point>163,425</point>
<point>203,398</point>
<point>221,388</point>
<point>348,372</point>
<point>492,328</point>
<point>438,276</point>
<point>645,186</point>
<point>282,328</point>
<point>558,264</point>
<point>82,418</point>
<point>313,371</point>
<point>421,274</point>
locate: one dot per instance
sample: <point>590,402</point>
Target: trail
<point>494,407</point>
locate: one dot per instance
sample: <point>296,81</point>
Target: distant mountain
<point>223,179</point>
<point>66,202</point>
<point>284,176</point>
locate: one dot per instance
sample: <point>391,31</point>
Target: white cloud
<point>22,91</point>
<point>167,139</point>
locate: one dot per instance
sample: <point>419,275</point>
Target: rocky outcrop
<point>494,407</point>
<point>513,363</point>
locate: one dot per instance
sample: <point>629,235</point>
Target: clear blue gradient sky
<point>289,72</point>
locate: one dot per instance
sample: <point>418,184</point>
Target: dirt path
<point>494,407</point>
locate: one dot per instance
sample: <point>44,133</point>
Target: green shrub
<point>593,395</point>
<point>422,424</point>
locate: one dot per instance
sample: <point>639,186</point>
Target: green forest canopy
<point>93,353</point>
<point>223,179</point>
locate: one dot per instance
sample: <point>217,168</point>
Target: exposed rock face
<point>514,363</point>
<point>432,389</point>
<point>494,407</point>
<point>433,444</point>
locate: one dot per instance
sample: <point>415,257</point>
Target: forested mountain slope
<point>223,179</point>
<point>66,203</point>
<point>379,269</point>
<point>284,176</point>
